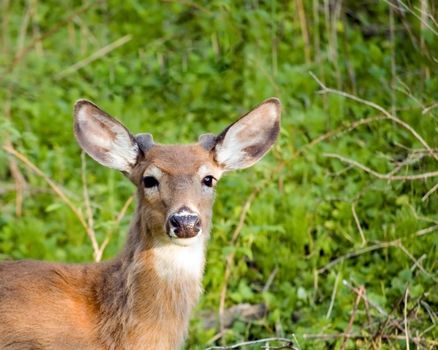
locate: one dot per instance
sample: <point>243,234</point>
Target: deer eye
<point>150,181</point>
<point>208,181</point>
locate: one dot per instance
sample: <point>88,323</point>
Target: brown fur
<point>142,299</point>
<point>120,304</point>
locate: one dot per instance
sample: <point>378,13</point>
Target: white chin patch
<point>185,242</point>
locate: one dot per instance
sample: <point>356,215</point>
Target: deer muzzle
<point>184,224</point>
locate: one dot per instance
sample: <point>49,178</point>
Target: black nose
<point>184,224</point>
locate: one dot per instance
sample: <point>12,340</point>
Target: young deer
<point>143,298</point>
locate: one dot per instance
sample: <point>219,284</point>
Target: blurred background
<point>330,241</point>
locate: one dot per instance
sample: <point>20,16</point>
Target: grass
<point>335,232</point>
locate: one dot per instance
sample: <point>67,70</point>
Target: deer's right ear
<point>104,139</point>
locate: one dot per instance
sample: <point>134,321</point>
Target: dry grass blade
<point>20,182</point>
<point>407,8</point>
<point>379,309</point>
<point>333,298</point>
<point>25,50</point>
<point>125,207</point>
<point>287,344</point>
<point>192,4</point>
<point>353,315</point>
<point>416,262</point>
<point>382,245</point>
<point>431,107</point>
<point>118,219</point>
<point>270,280</point>
<point>333,336</point>
<point>380,175</point>
<point>85,192</point>
<point>325,90</point>
<point>357,221</point>
<point>95,56</point>
<point>357,253</point>
<point>60,194</point>
<point>430,192</point>
<point>405,317</point>
<point>230,257</point>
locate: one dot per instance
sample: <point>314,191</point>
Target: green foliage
<point>193,67</point>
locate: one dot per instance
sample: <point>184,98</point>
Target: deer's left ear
<point>247,140</point>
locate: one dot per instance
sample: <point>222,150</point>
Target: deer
<point>142,298</point>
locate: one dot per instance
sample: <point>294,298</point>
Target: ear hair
<point>104,138</point>
<point>144,141</point>
<point>207,141</point>
<point>247,140</point>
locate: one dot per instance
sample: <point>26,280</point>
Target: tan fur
<point>120,304</point>
<point>142,299</point>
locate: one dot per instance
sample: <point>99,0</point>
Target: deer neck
<point>150,289</point>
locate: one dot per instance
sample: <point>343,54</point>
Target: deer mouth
<point>183,238</point>
<point>186,242</point>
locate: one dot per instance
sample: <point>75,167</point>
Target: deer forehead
<point>175,160</point>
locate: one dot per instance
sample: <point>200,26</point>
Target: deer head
<point>176,182</point>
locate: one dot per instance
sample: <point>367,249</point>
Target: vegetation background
<point>330,241</point>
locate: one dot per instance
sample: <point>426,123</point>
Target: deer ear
<point>247,140</point>
<point>207,141</point>
<point>104,139</point>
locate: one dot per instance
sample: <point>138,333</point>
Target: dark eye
<point>150,181</point>
<point>208,181</point>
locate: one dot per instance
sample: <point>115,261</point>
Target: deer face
<point>176,187</point>
<point>175,183</point>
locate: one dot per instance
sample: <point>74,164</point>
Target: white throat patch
<point>173,262</point>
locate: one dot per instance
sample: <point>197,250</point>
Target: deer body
<point>142,299</point>
<point>120,304</point>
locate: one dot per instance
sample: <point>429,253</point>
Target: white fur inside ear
<point>125,154</point>
<point>249,132</point>
<point>230,153</point>
<point>118,150</point>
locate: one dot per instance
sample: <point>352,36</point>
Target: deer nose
<point>184,224</point>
